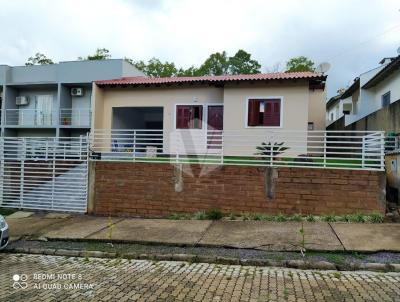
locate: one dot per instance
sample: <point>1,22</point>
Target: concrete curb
<point>295,264</point>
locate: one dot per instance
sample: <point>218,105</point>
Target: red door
<point>215,123</point>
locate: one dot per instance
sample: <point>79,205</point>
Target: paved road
<point>53,278</point>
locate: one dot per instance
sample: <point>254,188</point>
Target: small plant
<point>232,216</point>
<point>376,218</point>
<point>336,258</point>
<point>110,227</point>
<point>269,150</point>
<point>296,217</point>
<point>214,214</point>
<point>329,218</point>
<point>360,218</point>
<point>311,218</point>
<point>200,216</point>
<point>280,218</point>
<point>337,275</point>
<point>178,216</point>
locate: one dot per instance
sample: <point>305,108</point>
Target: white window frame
<point>246,118</point>
<point>204,116</point>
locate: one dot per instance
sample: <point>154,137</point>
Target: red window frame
<point>189,116</point>
<point>264,112</point>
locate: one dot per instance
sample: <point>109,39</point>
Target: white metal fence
<point>30,117</point>
<point>44,173</point>
<point>252,147</point>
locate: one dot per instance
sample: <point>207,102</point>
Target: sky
<point>352,35</point>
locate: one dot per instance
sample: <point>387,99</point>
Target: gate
<point>44,173</point>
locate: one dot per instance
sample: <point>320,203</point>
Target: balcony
<point>30,118</point>
<point>78,118</point>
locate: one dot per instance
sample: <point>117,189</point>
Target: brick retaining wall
<point>150,190</point>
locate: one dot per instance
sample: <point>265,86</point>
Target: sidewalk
<point>269,236</point>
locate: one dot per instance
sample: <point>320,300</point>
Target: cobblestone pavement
<point>54,278</point>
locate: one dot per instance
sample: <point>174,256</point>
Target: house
<point>189,111</point>
<point>372,100</point>
<point>53,100</point>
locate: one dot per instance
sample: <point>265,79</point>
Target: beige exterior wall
<point>317,108</point>
<point>299,106</point>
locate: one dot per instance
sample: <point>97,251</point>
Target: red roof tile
<point>134,81</point>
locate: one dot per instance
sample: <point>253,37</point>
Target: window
<point>386,99</point>
<point>264,112</point>
<point>310,126</point>
<point>189,116</point>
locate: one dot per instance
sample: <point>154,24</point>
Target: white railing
<point>30,117</point>
<point>44,173</point>
<point>250,147</point>
<point>75,117</point>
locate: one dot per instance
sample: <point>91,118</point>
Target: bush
<point>214,214</point>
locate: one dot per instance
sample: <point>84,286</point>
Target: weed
<point>286,293</point>
<point>337,275</point>
<point>232,216</point>
<point>200,216</point>
<point>360,218</point>
<point>329,218</point>
<point>280,218</point>
<point>296,217</point>
<point>310,218</point>
<point>336,258</point>
<point>214,214</point>
<point>290,274</point>
<point>302,240</point>
<point>178,216</point>
<point>376,218</point>
<point>110,227</point>
<point>86,260</point>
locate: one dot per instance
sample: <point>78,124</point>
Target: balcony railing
<point>75,117</point>
<point>354,150</point>
<point>30,117</point>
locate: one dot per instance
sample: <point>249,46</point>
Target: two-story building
<point>370,102</point>
<point>53,100</point>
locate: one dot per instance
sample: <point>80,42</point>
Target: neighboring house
<point>373,100</point>
<point>192,106</point>
<point>334,109</point>
<point>53,100</point>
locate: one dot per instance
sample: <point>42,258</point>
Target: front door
<point>215,125</point>
<point>44,109</point>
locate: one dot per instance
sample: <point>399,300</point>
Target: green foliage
<point>200,216</point>
<point>214,214</point>
<point>310,218</point>
<point>241,63</point>
<point>265,149</point>
<point>280,218</point>
<point>155,68</point>
<point>336,258</point>
<point>329,218</point>
<point>375,218</point>
<point>299,64</point>
<point>178,216</point>
<point>296,217</point>
<point>100,54</point>
<point>216,64</point>
<point>232,216</point>
<point>39,59</point>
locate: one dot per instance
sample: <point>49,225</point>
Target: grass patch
<point>7,211</point>
<point>216,214</point>
<point>336,258</point>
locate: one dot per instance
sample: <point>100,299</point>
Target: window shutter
<point>272,113</point>
<point>253,113</point>
<point>182,117</point>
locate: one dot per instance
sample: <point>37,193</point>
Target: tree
<point>216,64</point>
<point>155,68</point>
<point>241,63</point>
<point>190,72</point>
<point>298,64</point>
<point>39,59</point>
<point>100,54</point>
